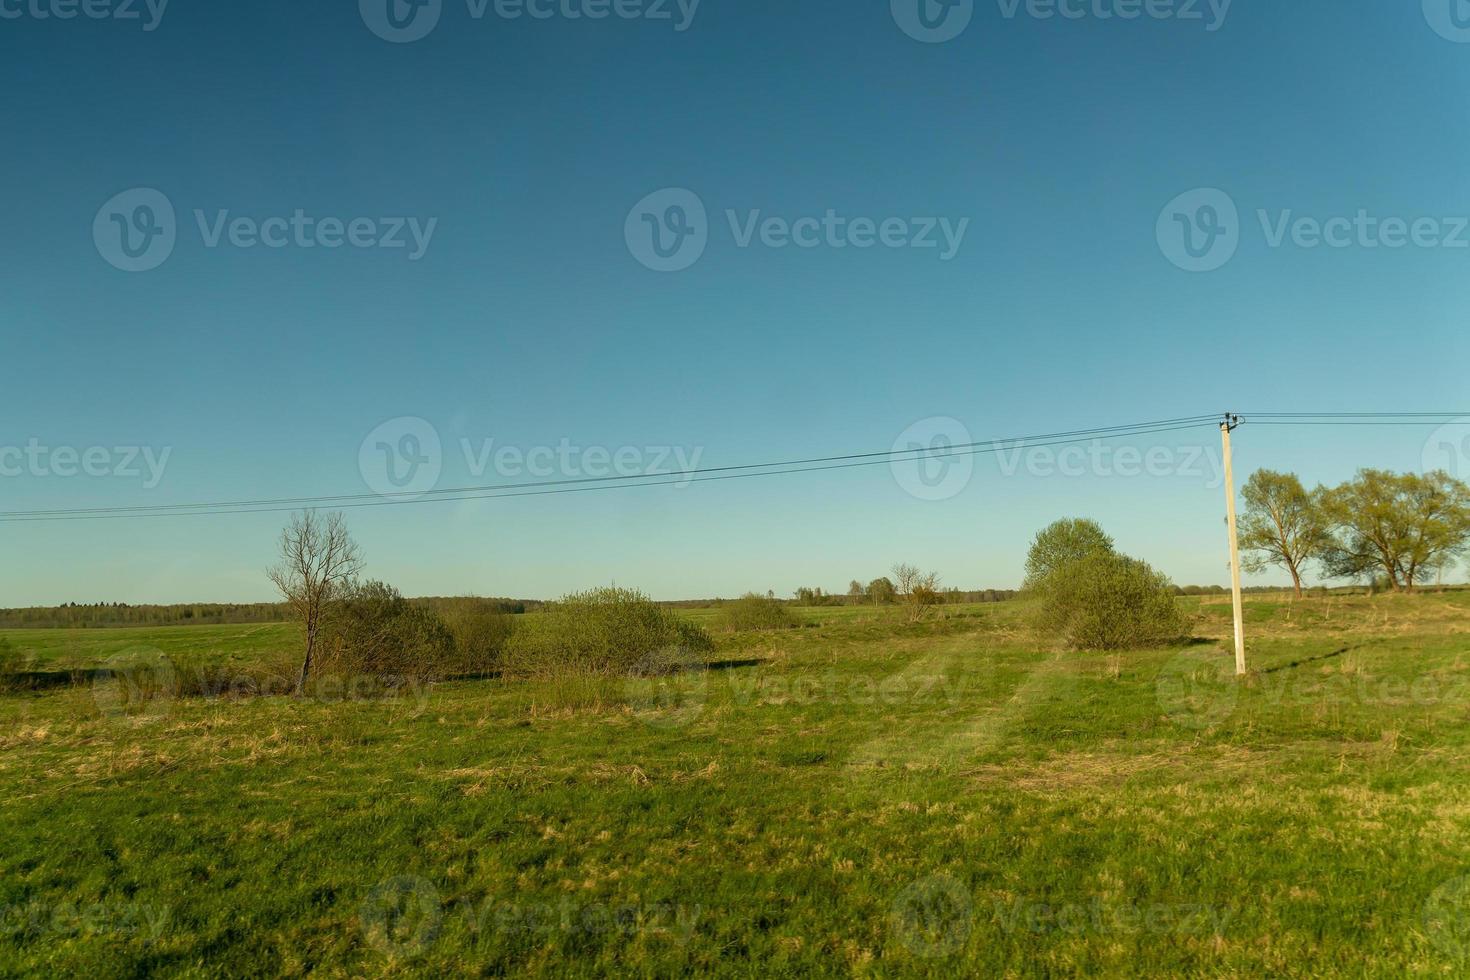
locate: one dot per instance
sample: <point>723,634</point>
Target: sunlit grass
<point>862,795</point>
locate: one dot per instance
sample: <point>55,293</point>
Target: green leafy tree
<point>1404,526</point>
<point>1059,544</point>
<point>881,591</point>
<point>1282,524</point>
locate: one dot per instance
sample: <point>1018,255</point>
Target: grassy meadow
<point>863,795</point>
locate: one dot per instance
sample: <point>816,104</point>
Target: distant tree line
<point>100,615</point>
<point>103,614</point>
<point>882,591</point>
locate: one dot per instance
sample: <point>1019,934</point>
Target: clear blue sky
<point>528,320</point>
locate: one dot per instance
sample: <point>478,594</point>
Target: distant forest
<point>102,615</point>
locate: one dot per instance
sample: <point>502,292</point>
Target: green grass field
<point>861,796</point>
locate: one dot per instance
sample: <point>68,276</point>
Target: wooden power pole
<point>1227,427</point>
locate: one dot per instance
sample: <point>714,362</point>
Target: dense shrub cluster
<point>1092,597</point>
<point>756,612</point>
<point>481,629</point>
<point>377,632</point>
<point>605,631</point>
<point>1108,601</point>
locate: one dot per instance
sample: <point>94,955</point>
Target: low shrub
<point>377,633</point>
<point>756,612</point>
<point>604,631</point>
<point>1108,601</point>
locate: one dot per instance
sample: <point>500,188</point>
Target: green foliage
<point>1060,543</point>
<point>375,632</point>
<point>1282,524</point>
<point>756,612</point>
<point>1404,527</point>
<point>481,629</point>
<point>1108,601</point>
<point>882,591</point>
<point>604,631</point>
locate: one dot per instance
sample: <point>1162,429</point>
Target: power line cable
<point>712,474</point>
<point>569,486</point>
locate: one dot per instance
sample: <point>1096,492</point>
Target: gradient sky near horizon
<point>530,320</point>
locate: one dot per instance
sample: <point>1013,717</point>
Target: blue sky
<point>528,318</point>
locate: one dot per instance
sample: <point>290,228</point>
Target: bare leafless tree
<point>319,562</point>
<point>917,590</point>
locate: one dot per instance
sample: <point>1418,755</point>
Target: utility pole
<point>1226,427</point>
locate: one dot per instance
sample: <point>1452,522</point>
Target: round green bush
<point>1108,601</point>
